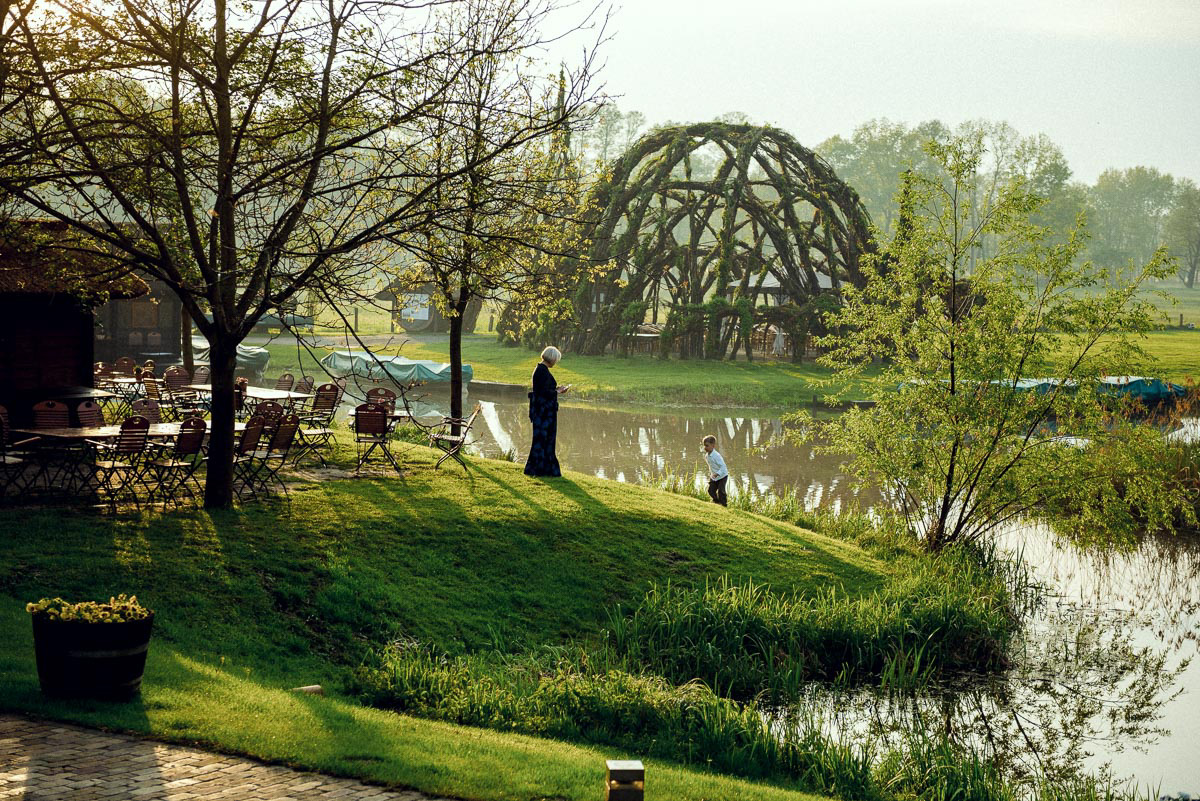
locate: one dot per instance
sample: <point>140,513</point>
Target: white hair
<point>551,355</point>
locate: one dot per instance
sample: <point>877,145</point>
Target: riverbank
<point>266,597</point>
<point>649,380</point>
<point>633,379</point>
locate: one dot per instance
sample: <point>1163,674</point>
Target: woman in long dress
<point>543,415</point>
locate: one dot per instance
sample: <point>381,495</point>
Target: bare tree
<point>239,153</point>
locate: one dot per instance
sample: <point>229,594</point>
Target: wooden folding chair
<point>57,463</point>
<point>371,427</point>
<point>267,462</point>
<point>382,396</point>
<point>284,382</point>
<point>89,414</point>
<point>178,464</point>
<point>271,413</point>
<point>148,408</point>
<point>440,437</point>
<point>123,466</point>
<point>318,423</point>
<point>243,458</point>
<point>14,461</point>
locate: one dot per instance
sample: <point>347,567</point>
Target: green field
<point>633,379</point>
<point>648,380</point>
<point>256,600</point>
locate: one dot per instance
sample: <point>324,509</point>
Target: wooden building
<point>414,311</point>
<point>47,294</point>
<point>145,327</point>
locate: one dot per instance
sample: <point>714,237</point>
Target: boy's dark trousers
<point>716,490</point>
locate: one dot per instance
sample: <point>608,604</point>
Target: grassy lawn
<point>632,379</point>
<point>256,600</point>
<point>652,381</point>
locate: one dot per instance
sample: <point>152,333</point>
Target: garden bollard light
<point>626,780</point>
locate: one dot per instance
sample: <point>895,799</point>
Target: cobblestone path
<point>42,761</point>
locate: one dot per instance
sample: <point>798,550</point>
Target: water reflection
<point>1105,675</point>
<point>623,444</point>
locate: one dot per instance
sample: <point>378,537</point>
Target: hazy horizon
<point>1113,83</point>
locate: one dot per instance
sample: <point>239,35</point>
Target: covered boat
<point>367,368</point>
<point>1146,390</point>
<point>250,359</point>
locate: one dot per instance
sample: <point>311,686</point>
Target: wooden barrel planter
<point>79,659</point>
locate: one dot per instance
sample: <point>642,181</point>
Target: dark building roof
<point>41,257</point>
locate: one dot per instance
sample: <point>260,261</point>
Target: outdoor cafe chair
<point>13,460</point>
<point>442,438</point>
<point>284,382</point>
<point>243,458</point>
<point>178,462</point>
<point>371,427</point>
<point>317,431</point>
<point>119,464</point>
<point>271,413</point>
<point>124,366</point>
<point>267,462</point>
<point>57,464</point>
<point>305,385</point>
<point>175,377</point>
<point>148,408</point>
<point>90,415</point>
<point>203,375</point>
<point>382,396</point>
<point>148,365</point>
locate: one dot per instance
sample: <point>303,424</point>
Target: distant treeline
<point>1130,212</point>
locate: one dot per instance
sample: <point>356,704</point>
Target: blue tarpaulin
<point>362,364</point>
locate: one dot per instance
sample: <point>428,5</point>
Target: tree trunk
<point>218,489</point>
<point>456,387</point>
<point>185,342</point>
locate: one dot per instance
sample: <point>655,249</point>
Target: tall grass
<point>743,640</point>
<point>576,697</point>
<point>572,695</point>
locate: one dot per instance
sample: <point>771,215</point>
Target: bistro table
<point>259,393</point>
<point>57,439</point>
<point>156,431</point>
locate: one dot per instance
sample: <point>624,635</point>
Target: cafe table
<point>259,393</point>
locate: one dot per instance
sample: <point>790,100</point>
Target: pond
<point>1106,673</point>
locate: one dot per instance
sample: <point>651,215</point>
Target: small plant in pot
<point>91,649</point>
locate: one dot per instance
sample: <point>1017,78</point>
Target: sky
<point>1116,83</point>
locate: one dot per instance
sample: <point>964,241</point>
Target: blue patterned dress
<point>543,414</point>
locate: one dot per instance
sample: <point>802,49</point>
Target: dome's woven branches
<point>711,209</point>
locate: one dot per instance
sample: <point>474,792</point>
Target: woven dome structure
<point>693,212</point>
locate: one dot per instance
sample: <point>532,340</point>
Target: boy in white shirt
<point>718,474</point>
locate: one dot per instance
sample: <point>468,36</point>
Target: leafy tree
<point>958,439</point>
<point>240,153</point>
<point>1129,208</point>
<point>875,156</point>
<point>497,225</point>
<point>1183,231</point>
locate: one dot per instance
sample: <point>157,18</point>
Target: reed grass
<point>581,698</point>
<point>570,694</point>
<point>744,640</point>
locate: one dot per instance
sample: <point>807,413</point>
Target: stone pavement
<point>40,761</point>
